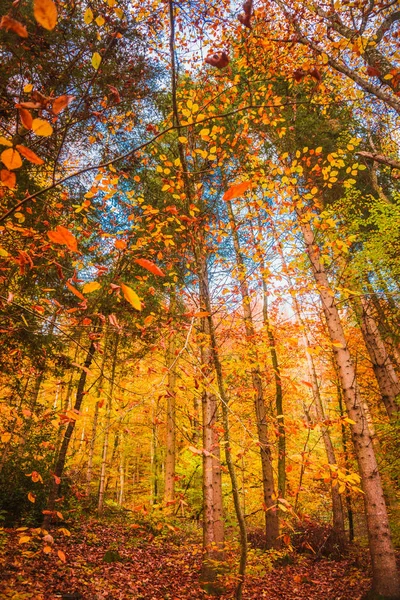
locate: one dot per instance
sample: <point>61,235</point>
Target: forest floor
<point>165,566</point>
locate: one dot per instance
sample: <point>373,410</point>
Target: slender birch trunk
<point>103,468</point>
<point>337,507</point>
<point>386,376</point>
<point>213,527</point>
<point>271,513</point>
<point>169,489</point>
<point>385,574</point>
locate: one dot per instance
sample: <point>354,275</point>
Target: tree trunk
<point>213,527</point>
<point>62,455</point>
<point>385,575</point>
<point>386,376</point>
<point>103,467</point>
<point>337,508</point>
<point>228,457</point>
<point>169,489</point>
<point>271,513</point>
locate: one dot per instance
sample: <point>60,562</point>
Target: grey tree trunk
<point>271,512</point>
<point>385,574</point>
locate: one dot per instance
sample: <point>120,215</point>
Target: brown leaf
<point>218,59</point>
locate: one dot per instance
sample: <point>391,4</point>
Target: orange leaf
<point>61,102</point>
<point>8,178</point>
<point>306,383</point>
<point>31,497</point>
<point>75,291</point>
<point>11,158</point>
<point>26,118</point>
<point>61,235</point>
<point>30,155</point>
<point>120,244</point>
<point>236,190</point>
<point>8,23</point>
<point>47,549</point>
<point>45,13</point>
<point>150,266</point>
<point>61,556</point>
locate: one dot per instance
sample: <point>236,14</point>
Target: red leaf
<point>149,266</point>
<point>237,190</point>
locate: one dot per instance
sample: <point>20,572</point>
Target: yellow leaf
<point>350,421</point>
<point>182,139</point>
<point>11,158</point>
<point>4,141</point>
<point>100,21</point>
<point>6,437</point>
<point>41,127</point>
<point>88,16</point>
<point>131,297</point>
<point>91,287</point>
<point>23,539</point>
<point>96,60</point>
<point>28,88</point>
<point>45,13</point>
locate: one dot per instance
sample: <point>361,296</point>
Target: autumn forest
<point>200,299</point>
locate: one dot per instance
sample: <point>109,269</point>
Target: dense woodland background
<point>199,241</point>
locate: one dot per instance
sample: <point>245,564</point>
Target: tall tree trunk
<point>62,455</point>
<point>213,524</point>
<point>337,508</point>
<point>89,471</point>
<point>349,506</point>
<point>385,574</point>
<point>103,468</point>
<point>228,456</point>
<point>121,469</point>
<point>278,392</point>
<point>271,513</point>
<point>386,376</point>
<point>169,489</point>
